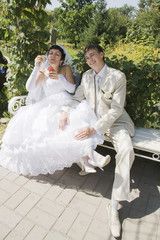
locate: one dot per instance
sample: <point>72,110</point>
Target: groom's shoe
<point>114,222</point>
<point>102,162</point>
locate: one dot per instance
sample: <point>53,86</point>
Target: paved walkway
<point>66,206</point>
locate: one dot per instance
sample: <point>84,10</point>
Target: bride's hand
<point>64,120</point>
<point>53,74</point>
<point>42,75</point>
<point>39,59</point>
<point>84,133</point>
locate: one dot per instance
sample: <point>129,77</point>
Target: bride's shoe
<point>86,169</point>
<point>101,162</point>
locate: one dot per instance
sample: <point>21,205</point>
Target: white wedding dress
<point>34,144</point>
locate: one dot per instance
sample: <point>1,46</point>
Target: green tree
<point>97,25</point>
<point>26,36</point>
<point>107,26</point>
<point>129,11</point>
<point>145,27</point>
<point>145,4</point>
<point>156,5</point>
<point>73,16</point>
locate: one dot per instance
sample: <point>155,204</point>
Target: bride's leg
<point>98,160</point>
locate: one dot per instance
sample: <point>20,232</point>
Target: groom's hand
<point>64,119</point>
<point>84,133</point>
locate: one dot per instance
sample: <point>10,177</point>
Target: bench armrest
<point>15,103</point>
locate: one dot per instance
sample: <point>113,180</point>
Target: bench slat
<point>146,139</point>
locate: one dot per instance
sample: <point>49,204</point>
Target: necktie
<point>96,88</point>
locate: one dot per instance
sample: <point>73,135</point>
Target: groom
<point>105,90</point>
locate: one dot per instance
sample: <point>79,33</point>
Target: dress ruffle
<point>34,144</point>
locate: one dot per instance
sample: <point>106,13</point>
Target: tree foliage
<point>73,16</point>
<point>145,4</point>
<point>145,27</point>
<point>25,36</point>
<point>107,26</point>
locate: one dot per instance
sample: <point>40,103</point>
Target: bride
<point>33,143</point>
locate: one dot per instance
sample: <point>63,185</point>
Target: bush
<point>142,89</point>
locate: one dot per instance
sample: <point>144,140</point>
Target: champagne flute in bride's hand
<point>53,72</point>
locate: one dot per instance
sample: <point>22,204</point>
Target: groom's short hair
<point>93,46</point>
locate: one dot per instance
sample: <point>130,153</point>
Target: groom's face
<point>94,58</point>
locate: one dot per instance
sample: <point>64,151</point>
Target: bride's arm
<point>31,82</point>
<point>67,79</point>
<point>70,87</point>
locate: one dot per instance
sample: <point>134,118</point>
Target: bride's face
<point>54,57</point>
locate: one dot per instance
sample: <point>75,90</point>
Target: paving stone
<point>37,233</point>
<point>153,204</point>
<point>58,174</point>
<point>158,230</point>
<point>124,213</point>
<point>138,230</point>
<point>27,204</point>
<point>8,217</point>
<point>4,196</point>
<point>37,187</point>
<point>79,227</point>
<point>56,235</point>
<point>11,176</point>
<point>41,218</point>
<point>66,206</point>
<point>148,188</point>
<point>89,197</point>
<point>8,186</point>
<point>66,196</point>
<point>136,213</point>
<point>20,231</point>
<point>17,198</point>
<point>53,192</point>
<point>21,180</point>
<point>66,220</point>
<point>71,182</point>
<point>4,230</point>
<point>3,172</point>
<point>50,207</point>
<point>93,236</point>
<point>104,187</point>
<point>140,203</point>
<point>101,213</point>
<point>100,228</point>
<point>91,182</point>
<point>83,206</point>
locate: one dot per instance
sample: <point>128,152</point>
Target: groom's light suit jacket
<point>110,100</point>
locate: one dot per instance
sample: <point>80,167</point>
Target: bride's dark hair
<point>63,55</point>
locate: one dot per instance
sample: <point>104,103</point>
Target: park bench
<point>146,141</point>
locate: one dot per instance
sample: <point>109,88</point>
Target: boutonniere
<point>107,95</point>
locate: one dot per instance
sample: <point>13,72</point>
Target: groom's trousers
<point>124,159</point>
